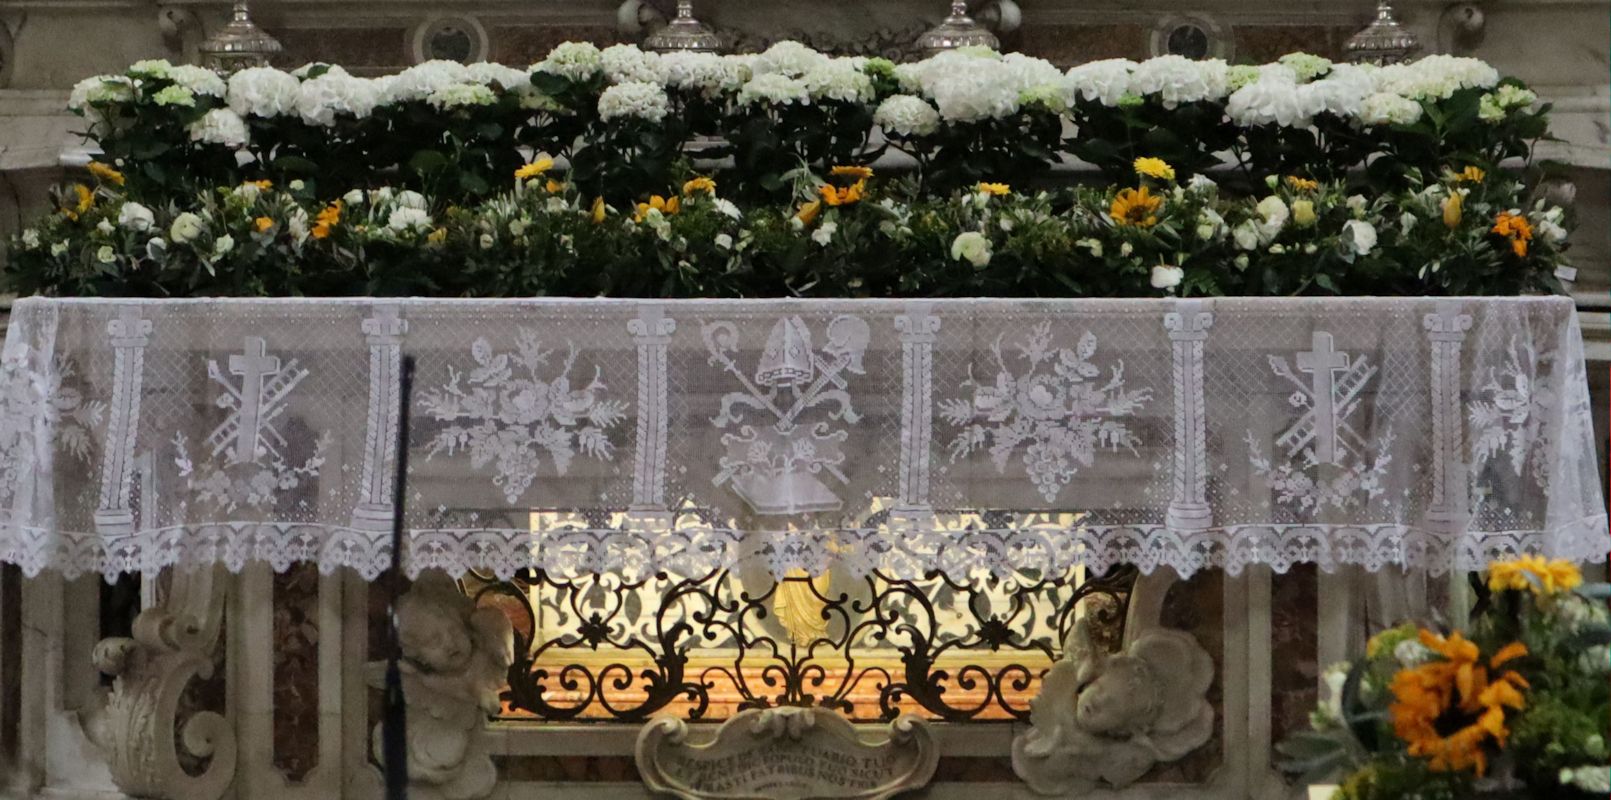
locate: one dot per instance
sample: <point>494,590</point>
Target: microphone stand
<point>394,722</point>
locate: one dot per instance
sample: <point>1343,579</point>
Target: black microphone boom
<point>394,732</point>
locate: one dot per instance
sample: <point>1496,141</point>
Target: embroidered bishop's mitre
<point>787,358</point>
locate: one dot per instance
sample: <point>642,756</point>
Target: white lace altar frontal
<point>974,437</point>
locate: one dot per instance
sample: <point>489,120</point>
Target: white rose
<point>1274,213</point>
<point>353,197</point>
<point>905,115</point>
<point>186,227</point>
<point>106,254</point>
<point>724,241</point>
<point>1246,236</point>
<point>223,245</point>
<point>486,241</point>
<point>646,101</point>
<point>1359,236</point>
<point>972,247</point>
<point>30,239</point>
<point>1166,277</point>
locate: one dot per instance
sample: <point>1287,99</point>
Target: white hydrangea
<point>1386,108</point>
<point>787,58</point>
<point>1307,66</point>
<point>100,89</point>
<point>320,99</point>
<point>1496,105</point>
<point>1027,73</point>
<point>705,73</point>
<point>422,80</point>
<point>1176,79</point>
<point>1342,92</point>
<point>305,71</point>
<point>577,61</point>
<point>199,80</point>
<point>774,88</point>
<point>637,100</point>
<point>905,115</point>
<point>263,92</point>
<point>1436,76</point>
<point>840,79</point>
<point>461,95</point>
<point>625,63</point>
<point>1103,81</point>
<point>404,219</point>
<point>220,126</point>
<point>1267,102</point>
<point>487,73</point>
<point>158,68</point>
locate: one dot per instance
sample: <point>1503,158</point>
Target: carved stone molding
<point>455,659</point>
<point>138,726</point>
<point>787,754</point>
<point>1105,719</point>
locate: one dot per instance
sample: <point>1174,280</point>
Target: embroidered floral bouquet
<point>1517,706</point>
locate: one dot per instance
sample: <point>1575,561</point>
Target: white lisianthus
<point>905,115</point>
<point>320,99</point>
<point>30,239</point>
<point>577,61</point>
<point>1273,213</point>
<point>706,73</point>
<point>646,101</point>
<point>840,79</point>
<point>625,63</point>
<point>1167,277</point>
<point>724,241</point>
<point>1548,225</point>
<point>199,80</point>
<point>135,217</point>
<point>1386,108</point>
<point>404,219</point>
<point>1176,79</point>
<point>222,127</point>
<point>774,88</point>
<point>223,245</point>
<point>1308,67</point>
<point>263,92</point>
<point>1268,102</point>
<point>1359,236</point>
<point>824,233</point>
<point>353,197</point>
<point>185,228</point>
<point>1246,236</point>
<point>1103,81</point>
<point>461,95</point>
<point>787,58</point>
<point>487,73</point>
<point>106,254</point>
<point>972,247</point>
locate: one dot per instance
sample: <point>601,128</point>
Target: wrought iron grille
<point>603,648</point>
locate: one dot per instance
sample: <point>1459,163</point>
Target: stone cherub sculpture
<point>455,659</point>
<point>1110,717</point>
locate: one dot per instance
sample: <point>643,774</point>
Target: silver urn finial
<point>956,31</point>
<point>239,44</point>
<point>1384,41</point>
<point>684,33</point>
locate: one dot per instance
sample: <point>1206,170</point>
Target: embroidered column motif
<point>1446,331</point>
<point>651,332</point>
<point>129,335</point>
<point>918,327</point>
<point>384,332</point>
<point>1188,328</point>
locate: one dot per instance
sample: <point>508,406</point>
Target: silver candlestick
<point>1384,41</point>
<point>239,44</point>
<point>683,33</point>
<point>956,30</point>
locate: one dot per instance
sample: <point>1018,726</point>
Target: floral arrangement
<point>596,171</point>
<point>848,232</point>
<point>1518,706</point>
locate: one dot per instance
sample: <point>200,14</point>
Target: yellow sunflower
<point>534,169</point>
<point>1302,184</point>
<point>1515,228</point>
<point>1470,175</point>
<point>699,184</point>
<point>105,174</point>
<point>666,206</point>
<point>995,189</point>
<point>1534,574</point>
<point>1136,207</point>
<point>1456,694</point>
<point>849,195</point>
<point>859,173</point>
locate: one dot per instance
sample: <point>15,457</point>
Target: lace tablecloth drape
<point>969,436</point>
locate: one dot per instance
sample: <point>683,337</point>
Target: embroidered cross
<point>1324,362</point>
<point>264,384</point>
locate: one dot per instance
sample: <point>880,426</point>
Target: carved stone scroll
<point>787,754</point>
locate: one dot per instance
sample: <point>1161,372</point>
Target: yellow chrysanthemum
<point>1517,229</point>
<point>1155,168</point>
<point>263,224</point>
<point>329,217</point>
<point>1135,207</point>
<point>699,184</point>
<point>1534,574</point>
<point>1302,184</point>
<point>859,173</point>
<point>105,174</point>
<point>657,203</point>
<point>1470,175</point>
<point>995,189</point>
<point>534,169</point>
<point>598,210</point>
<point>1455,691</point>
